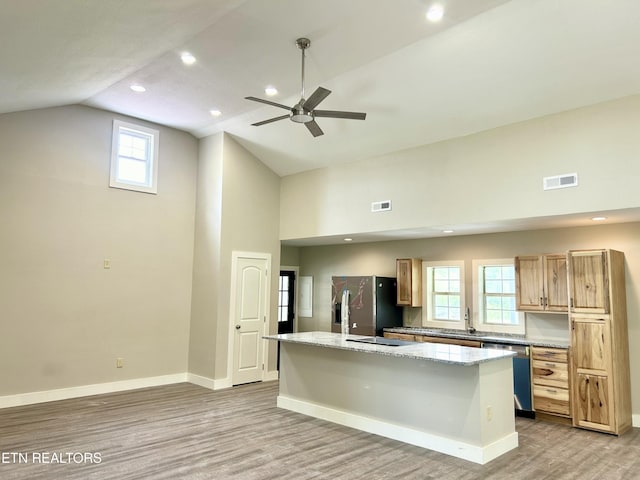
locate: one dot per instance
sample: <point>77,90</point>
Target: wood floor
<point>187,432</point>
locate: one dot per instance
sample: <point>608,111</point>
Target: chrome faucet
<point>467,320</point>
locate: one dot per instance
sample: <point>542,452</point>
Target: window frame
<point>479,321</point>
<point>427,296</point>
<point>151,162</point>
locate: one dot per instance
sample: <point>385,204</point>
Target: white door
<point>249,318</point>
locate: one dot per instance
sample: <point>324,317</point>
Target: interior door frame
<point>235,256</point>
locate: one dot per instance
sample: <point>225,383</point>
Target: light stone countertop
<point>482,336</point>
<point>434,352</point>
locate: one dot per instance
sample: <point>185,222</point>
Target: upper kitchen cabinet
<point>541,283</point>
<point>409,278</point>
<point>589,281</point>
<point>600,375</point>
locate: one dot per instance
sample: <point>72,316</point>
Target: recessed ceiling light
<point>598,219</point>
<point>271,91</point>
<point>187,58</point>
<point>447,231</point>
<point>215,113</point>
<point>348,239</point>
<point>137,88</point>
<point>435,13</point>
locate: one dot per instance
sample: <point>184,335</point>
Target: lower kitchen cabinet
<point>425,338</point>
<point>400,336</point>
<point>451,341</point>
<point>550,379</point>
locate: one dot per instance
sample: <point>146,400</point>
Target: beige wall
<point>64,318</point>
<point>206,258</point>
<point>483,178</point>
<point>238,210</point>
<point>289,256</point>
<point>379,259</point>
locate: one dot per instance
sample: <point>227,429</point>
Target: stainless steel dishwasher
<point>521,377</point>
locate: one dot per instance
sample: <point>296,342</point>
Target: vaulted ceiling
<point>487,63</point>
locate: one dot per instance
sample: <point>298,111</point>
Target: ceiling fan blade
<point>255,99</point>
<point>314,128</point>
<point>275,119</point>
<point>316,97</point>
<point>339,114</point>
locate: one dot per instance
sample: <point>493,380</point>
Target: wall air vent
<point>560,181</point>
<point>382,206</point>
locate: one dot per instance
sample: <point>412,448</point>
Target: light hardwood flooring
<point>188,432</point>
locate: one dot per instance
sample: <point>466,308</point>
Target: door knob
<point>237,327</point>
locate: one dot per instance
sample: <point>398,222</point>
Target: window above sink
<point>494,297</point>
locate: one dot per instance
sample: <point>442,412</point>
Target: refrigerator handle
<point>344,319</point>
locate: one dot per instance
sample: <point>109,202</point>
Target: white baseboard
<point>456,448</point>
<point>205,382</point>
<point>86,390</point>
<point>271,375</point>
<point>98,388</point>
<point>210,383</point>
<point>635,420</point>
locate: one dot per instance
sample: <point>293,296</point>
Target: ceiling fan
<point>304,111</point>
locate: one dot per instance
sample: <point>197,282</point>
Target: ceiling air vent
<point>560,181</point>
<point>382,206</point>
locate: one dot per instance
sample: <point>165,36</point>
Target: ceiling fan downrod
<point>298,113</point>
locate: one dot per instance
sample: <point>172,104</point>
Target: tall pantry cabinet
<point>600,378</point>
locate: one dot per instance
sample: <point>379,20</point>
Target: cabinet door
<point>555,276</point>
<point>529,283</point>
<point>591,343</point>
<point>589,283</point>
<point>403,277</point>
<point>592,408</point>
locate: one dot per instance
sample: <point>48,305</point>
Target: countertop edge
<point>432,352</point>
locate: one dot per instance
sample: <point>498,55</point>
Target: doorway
<point>287,304</point>
<point>286,301</point>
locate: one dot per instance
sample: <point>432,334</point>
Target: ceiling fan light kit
<point>304,111</point>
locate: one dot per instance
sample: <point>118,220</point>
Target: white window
<point>134,157</point>
<point>443,294</point>
<point>494,286</point>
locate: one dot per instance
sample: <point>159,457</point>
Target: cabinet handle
<point>550,390</point>
<point>550,364</point>
<point>571,302</point>
<point>541,301</point>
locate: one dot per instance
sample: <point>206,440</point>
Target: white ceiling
<point>488,63</point>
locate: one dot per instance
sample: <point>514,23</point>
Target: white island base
<point>453,407</point>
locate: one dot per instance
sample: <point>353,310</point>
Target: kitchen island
<point>451,399</point>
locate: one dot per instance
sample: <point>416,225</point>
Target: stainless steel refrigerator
<point>367,304</point>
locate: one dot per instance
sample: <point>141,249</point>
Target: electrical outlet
<point>119,362</point>
<point>107,263</point>
<point>489,413</point>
